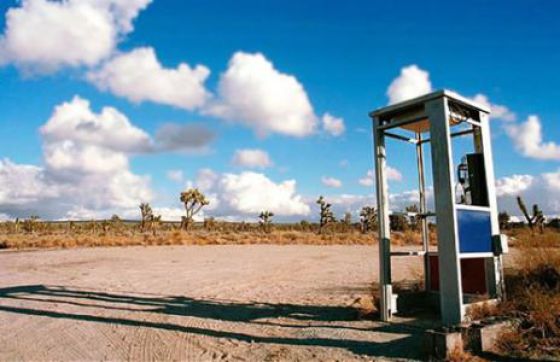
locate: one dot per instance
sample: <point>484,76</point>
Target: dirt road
<point>255,302</point>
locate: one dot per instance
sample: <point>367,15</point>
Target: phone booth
<point>467,264</point>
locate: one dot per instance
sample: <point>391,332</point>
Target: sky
<point>262,105</point>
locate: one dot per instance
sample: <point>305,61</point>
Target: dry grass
<point>459,355</point>
<point>483,310</point>
<point>534,298</point>
<point>524,237</point>
<point>176,237</point>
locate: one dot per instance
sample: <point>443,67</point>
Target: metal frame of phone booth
<point>468,258</point>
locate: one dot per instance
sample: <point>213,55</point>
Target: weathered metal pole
<point>423,209</point>
<point>451,294</point>
<point>385,286</point>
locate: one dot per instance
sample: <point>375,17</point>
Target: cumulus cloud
<point>86,169</point>
<point>253,92</point>
<point>139,76</point>
<point>497,111</point>
<point>513,185</point>
<point>392,175</point>
<point>186,138</point>
<point>110,129</point>
<point>412,82</point>
<point>175,213</point>
<point>331,182</point>
<point>543,189</point>
<point>175,175</point>
<point>248,193</point>
<point>333,125</point>
<point>527,138</point>
<point>45,35</point>
<point>253,158</point>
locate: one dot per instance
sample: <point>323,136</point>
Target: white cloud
<point>497,111</point>
<point>110,129</point>
<point>86,169</point>
<point>543,189</point>
<point>392,175</point>
<point>331,182</point>
<point>513,185</point>
<point>139,76</point>
<point>368,179</point>
<point>527,138</point>
<point>253,92</point>
<point>175,213</point>
<point>248,193</point>
<point>253,158</point>
<point>175,175</point>
<point>333,125</point>
<point>44,35</point>
<point>411,83</point>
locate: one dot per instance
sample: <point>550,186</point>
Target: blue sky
<point>344,56</point>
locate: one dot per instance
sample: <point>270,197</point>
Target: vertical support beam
<point>451,295</point>
<point>483,144</point>
<point>423,208</point>
<point>385,286</point>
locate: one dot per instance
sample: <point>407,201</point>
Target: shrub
<point>534,297</point>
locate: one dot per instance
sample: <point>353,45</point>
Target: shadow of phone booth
<point>467,265</point>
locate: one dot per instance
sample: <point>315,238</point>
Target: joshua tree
<point>194,201</point>
<point>105,226</point>
<point>326,215</point>
<point>147,215</point>
<point>71,227</point>
<point>416,219</point>
<point>16,225</point>
<point>503,219</point>
<point>266,221</point>
<point>209,223</point>
<point>537,219</point>
<point>398,222</point>
<point>347,218</point>
<point>30,225</point>
<point>154,223</point>
<point>368,218</point>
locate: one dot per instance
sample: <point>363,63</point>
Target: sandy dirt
<point>257,302</point>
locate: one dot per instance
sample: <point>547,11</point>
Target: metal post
<point>384,225</point>
<point>451,295</point>
<point>423,209</point>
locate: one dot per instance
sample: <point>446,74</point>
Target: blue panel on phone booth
<point>475,233</point>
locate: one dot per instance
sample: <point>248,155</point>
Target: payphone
<point>467,263</point>
<point>471,181</point>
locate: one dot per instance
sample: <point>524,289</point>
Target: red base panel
<point>473,275</point>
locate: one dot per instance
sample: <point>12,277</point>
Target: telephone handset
<point>462,187</point>
<point>471,188</point>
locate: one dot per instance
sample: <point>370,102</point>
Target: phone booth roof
<point>411,115</point>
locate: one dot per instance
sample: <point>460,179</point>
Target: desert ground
<point>229,302</point>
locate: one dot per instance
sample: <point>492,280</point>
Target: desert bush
<point>398,222</point>
<point>534,298</point>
